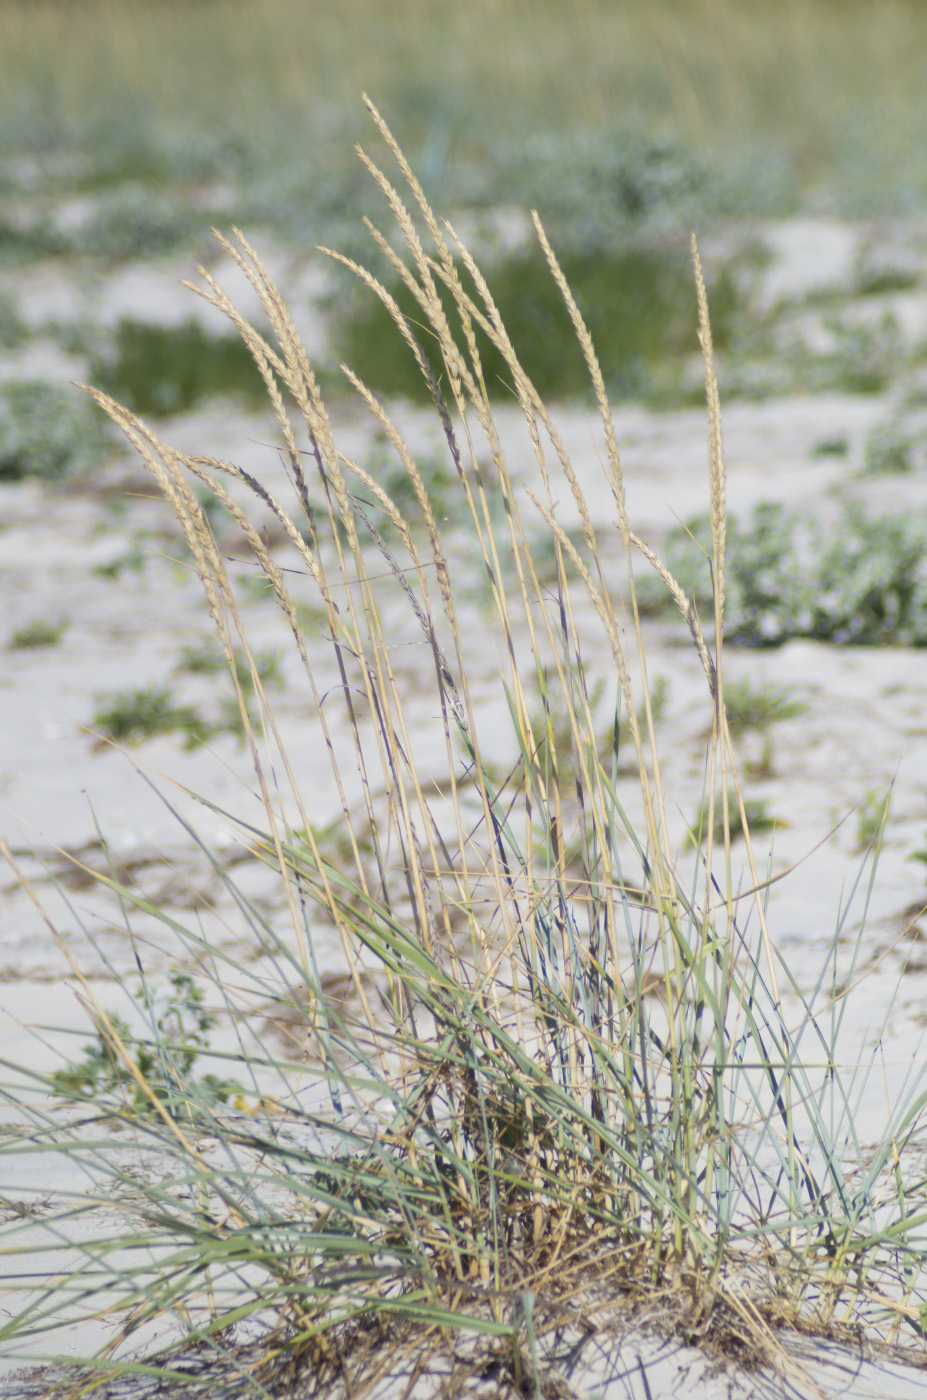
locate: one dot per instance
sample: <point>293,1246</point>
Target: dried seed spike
<point>715,441</point>
<point>595,370</point>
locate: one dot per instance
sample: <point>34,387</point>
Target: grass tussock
<point>553,1078</point>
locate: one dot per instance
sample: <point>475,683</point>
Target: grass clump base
<point>553,1077</point>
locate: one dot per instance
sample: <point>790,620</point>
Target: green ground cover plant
<point>22,244</point>
<point>865,360</point>
<point>881,280</point>
<point>491,1120</point>
<point>133,221</point>
<point>859,582</point>
<point>159,1066</point>
<point>13,329</point>
<point>39,633</point>
<point>439,480</point>
<point>262,670</point>
<point>711,818</point>
<point>133,560</point>
<point>208,659</point>
<point>46,431</point>
<point>893,448</point>
<point>143,712</point>
<point>836,446</point>
<point>757,707</point>
<point>919,855</point>
<point>871,819</point>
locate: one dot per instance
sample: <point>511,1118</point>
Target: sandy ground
<point>862,731</point>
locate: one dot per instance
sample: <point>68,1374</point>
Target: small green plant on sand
<point>637,304</point>
<point>132,560</point>
<point>920,856</point>
<point>865,357</point>
<point>761,768</point>
<point>13,329</point>
<point>208,659</point>
<point>659,701</point>
<point>159,1069</point>
<point>871,818</point>
<point>757,707</point>
<point>39,633</point>
<point>262,670</point>
<point>835,446</point>
<point>889,450</point>
<point>144,712</point>
<point>553,724</point>
<point>755,810</point>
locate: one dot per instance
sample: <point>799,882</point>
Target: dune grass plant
<point>557,1079</point>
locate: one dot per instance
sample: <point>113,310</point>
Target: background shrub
<point>48,430</point>
<point>862,581</point>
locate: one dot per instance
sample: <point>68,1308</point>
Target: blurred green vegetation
<point>639,306</point>
<point>160,370</point>
<point>642,115</point>
<point>49,430</point>
<point>861,581</point>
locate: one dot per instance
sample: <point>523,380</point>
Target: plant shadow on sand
<point>556,1094</point>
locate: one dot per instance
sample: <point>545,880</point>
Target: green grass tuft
<point>13,329</point>
<point>39,633</point>
<point>750,707</point>
<point>756,811</point>
<point>144,712</point>
<point>871,819</point>
<point>888,451</point>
